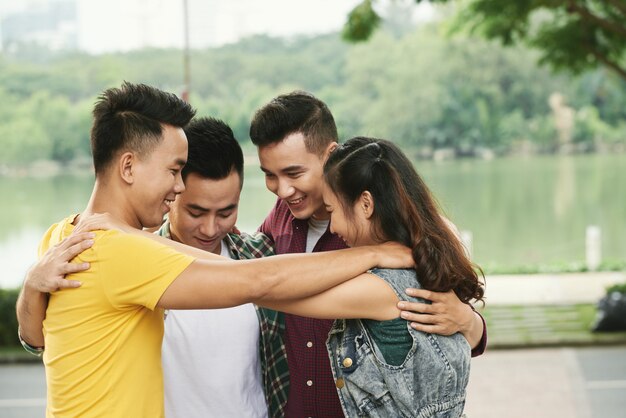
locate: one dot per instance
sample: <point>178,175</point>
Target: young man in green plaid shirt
<point>229,362</point>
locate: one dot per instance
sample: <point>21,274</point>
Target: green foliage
<point>553,268</point>
<point>8,325</point>
<point>362,21</point>
<point>620,288</point>
<point>571,34</point>
<point>414,86</point>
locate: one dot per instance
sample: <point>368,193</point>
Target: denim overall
<point>430,382</point>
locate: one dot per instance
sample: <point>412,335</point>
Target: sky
<point>121,25</point>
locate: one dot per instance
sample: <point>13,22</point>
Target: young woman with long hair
<point>383,367</point>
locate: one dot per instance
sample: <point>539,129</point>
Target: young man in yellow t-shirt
<point>103,340</point>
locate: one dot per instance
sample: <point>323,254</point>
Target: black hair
<point>131,118</point>
<point>213,150</point>
<point>404,211</point>
<point>294,112</point>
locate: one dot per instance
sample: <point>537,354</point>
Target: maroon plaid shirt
<point>312,391</point>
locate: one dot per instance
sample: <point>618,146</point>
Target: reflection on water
<point>18,255</point>
<point>521,211</point>
<point>565,187</point>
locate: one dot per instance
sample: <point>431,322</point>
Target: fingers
<point>421,318</point>
<point>422,293</point>
<point>70,268</point>
<point>76,249</point>
<point>415,307</point>
<point>432,329</point>
<point>73,239</point>
<point>67,284</point>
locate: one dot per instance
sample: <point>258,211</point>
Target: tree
<point>574,35</point>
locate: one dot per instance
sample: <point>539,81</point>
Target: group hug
<point>353,298</point>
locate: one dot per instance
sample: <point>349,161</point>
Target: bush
<point>8,325</point>
<point>619,288</point>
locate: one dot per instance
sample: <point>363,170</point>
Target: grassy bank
<point>545,325</point>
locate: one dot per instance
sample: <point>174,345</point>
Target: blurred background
<point>513,112</point>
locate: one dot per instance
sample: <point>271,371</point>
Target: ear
<point>366,203</point>
<point>126,164</point>
<point>330,148</point>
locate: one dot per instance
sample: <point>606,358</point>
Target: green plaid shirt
<point>274,366</point>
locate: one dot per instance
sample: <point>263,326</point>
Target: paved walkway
<point>585,382</point>
<point>546,289</point>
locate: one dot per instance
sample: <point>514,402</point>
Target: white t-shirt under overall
<point>211,364</point>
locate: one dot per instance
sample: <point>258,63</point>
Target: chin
<point>303,214</point>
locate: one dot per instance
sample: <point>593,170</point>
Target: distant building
<point>52,25</point>
<point>123,25</point>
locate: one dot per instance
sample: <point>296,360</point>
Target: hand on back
<point>48,274</point>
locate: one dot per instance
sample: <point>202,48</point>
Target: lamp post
<point>186,59</point>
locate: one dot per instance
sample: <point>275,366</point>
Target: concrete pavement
<point>585,382</point>
<point>547,289</point>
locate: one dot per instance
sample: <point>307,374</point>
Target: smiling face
<point>355,227</point>
<point>207,210</point>
<point>156,178</point>
<point>295,175</point>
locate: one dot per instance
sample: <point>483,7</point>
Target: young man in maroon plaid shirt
<point>294,134</point>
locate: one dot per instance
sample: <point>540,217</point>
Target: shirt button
<point>309,344</point>
<point>347,362</point>
<point>309,383</point>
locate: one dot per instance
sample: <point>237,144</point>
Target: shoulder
<point>384,272</point>
<point>281,211</point>
<point>55,233</point>
<point>251,245</point>
<point>278,219</point>
<point>400,277</point>
<point>117,242</point>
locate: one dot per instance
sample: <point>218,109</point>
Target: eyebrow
<point>203,209</point>
<point>180,162</point>
<point>287,169</point>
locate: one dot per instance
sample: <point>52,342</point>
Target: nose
<point>209,227</point>
<point>284,189</point>
<point>179,186</point>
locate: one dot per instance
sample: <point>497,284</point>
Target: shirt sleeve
<point>267,226</point>
<point>482,344</point>
<point>136,270</point>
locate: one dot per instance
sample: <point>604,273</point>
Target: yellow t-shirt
<point>103,340</point>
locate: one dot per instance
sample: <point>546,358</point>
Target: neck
<point>321,214</point>
<point>111,200</point>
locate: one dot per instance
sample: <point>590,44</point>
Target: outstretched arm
<point>210,284</point>
<point>445,316</point>
<point>48,275</point>
<point>366,296</point>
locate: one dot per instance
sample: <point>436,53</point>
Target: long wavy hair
<point>405,211</point>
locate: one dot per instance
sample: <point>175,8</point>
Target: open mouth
<point>296,202</point>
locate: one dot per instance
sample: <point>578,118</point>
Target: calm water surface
<point>521,211</point>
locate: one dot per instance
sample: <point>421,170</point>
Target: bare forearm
<point>301,275</point>
<point>31,311</point>
<point>209,284</point>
